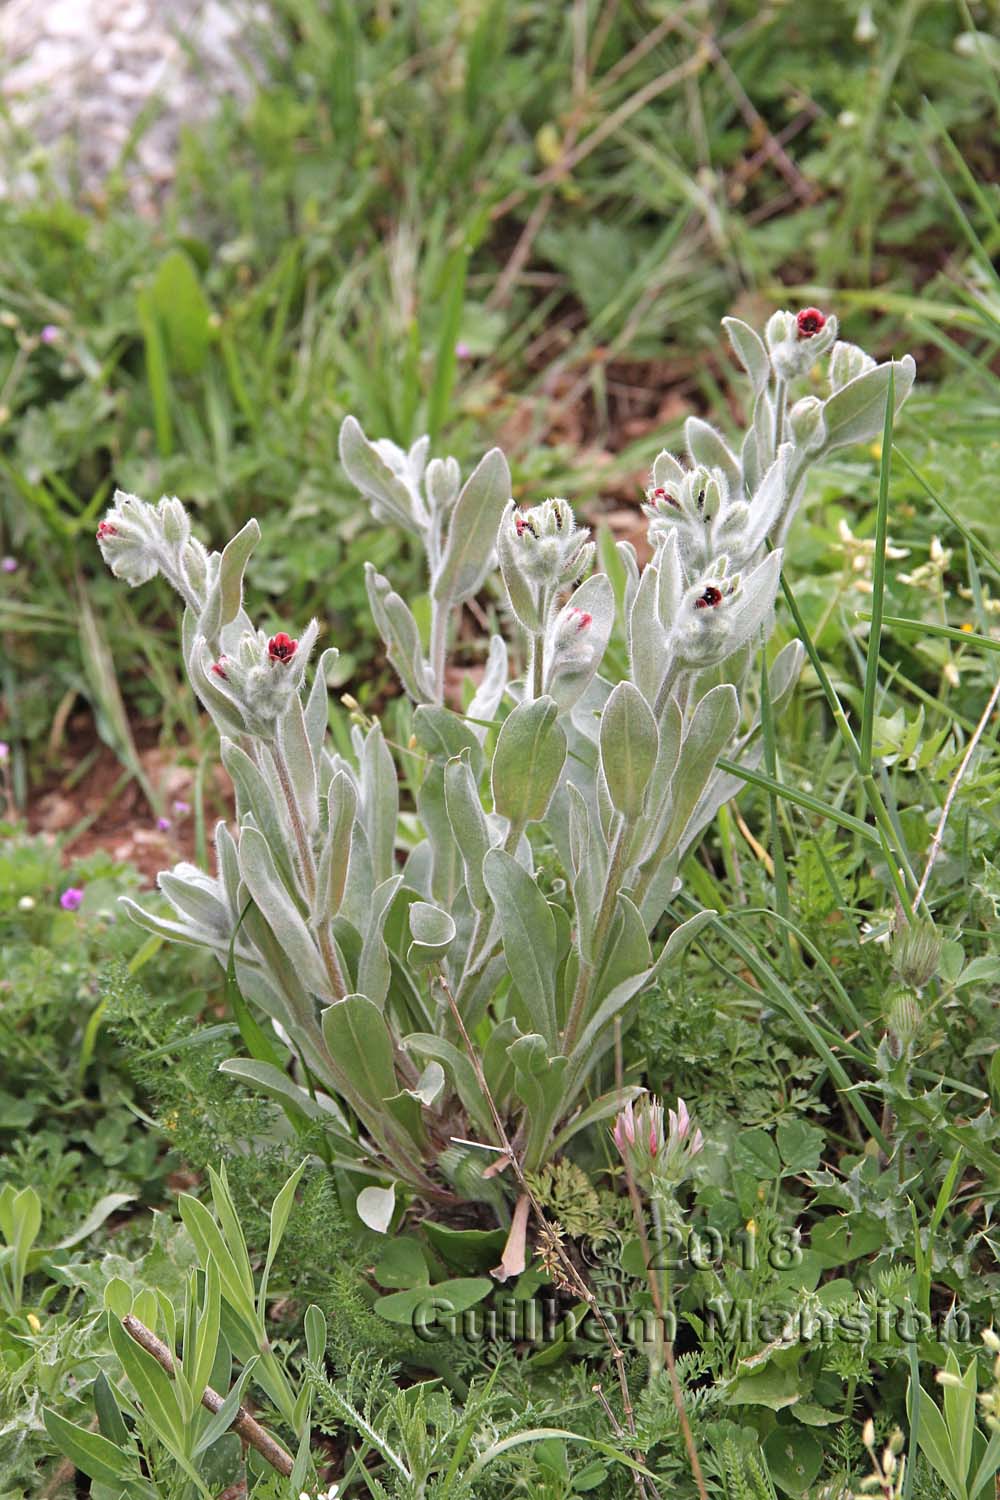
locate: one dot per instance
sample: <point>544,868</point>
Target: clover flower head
<point>658,1157</point>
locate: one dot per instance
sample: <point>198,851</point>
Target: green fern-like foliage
<point>746,1476</point>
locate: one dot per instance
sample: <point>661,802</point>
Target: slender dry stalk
<point>659,1310</point>
<point>243,1423</point>
<point>970,751</point>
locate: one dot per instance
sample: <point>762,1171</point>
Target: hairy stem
<point>440,613</point>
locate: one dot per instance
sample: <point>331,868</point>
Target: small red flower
<point>583,619</point>
<point>663,497</point>
<point>106,529</point>
<point>809,322</point>
<point>219,670</point>
<point>281,647</point>
<point>710,598</point>
<point>522,525</point>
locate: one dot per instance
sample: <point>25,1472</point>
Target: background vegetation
<point>516,223</point>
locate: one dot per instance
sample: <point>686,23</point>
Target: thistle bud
<point>847,362</point>
<point>903,1014</point>
<point>916,953</point>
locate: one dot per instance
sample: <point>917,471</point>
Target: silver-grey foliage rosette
<point>360,929</point>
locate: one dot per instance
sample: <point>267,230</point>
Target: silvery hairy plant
<point>415,967</point>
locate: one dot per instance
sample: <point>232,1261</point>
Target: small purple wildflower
<point>8,564</point>
<point>163,824</point>
<point>4,749</point>
<point>49,334</point>
<point>71,898</point>
<point>462,351</point>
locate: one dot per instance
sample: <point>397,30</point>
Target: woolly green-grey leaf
<point>529,937</point>
<point>527,762</point>
<point>629,745</point>
<point>473,528</point>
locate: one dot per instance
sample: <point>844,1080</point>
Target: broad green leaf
<point>529,937</point>
<point>755,1151</point>
<point>468,822</point>
<point>232,565</point>
<point>473,528</point>
<point>103,1209</point>
<point>934,1442</point>
<point>152,1385</point>
<point>712,726</point>
<point>315,1330</point>
<point>210,1245</point>
<point>183,312</point>
<point>294,747</point>
<point>356,1034</point>
<point>281,1210</point>
<point>402,1264</point>
<point>527,762</point>
<point>461,1071</point>
<point>226,1415</point>
<point>794,1459</point>
<point>856,413</point>
<point>92,1453</point>
<point>629,746</point>
<point>707,446</point>
<point>369,472</point>
<point>335,859</point>
<point>421,1305</point>
<point>398,629</point>
<point>267,1079</point>
<point>750,351</point>
<point>276,907</point>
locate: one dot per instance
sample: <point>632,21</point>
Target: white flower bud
<point>443,482</point>
<point>174,521</point>
<point>805,420</point>
<point>847,362</point>
<point>796,340</point>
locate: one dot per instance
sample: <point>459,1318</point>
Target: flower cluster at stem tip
<point>657,1157</point>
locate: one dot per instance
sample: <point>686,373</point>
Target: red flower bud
<point>664,498</point>
<point>583,618</point>
<point>710,598</point>
<point>522,525</point>
<point>106,529</point>
<point>219,671</point>
<point>281,647</point>
<point>809,322</point>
